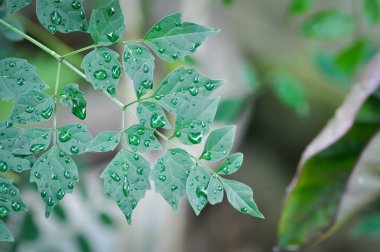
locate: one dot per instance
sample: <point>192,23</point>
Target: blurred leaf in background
<point>372,11</point>
<point>300,6</point>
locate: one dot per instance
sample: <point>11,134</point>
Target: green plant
<point>183,93</point>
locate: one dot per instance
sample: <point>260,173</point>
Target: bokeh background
<point>282,89</point>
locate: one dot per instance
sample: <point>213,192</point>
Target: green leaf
<point>229,110</point>
<point>5,234</point>
<point>104,141</point>
<point>107,23</point>
<point>10,199</point>
<point>194,119</point>
<point>172,40</point>
<point>215,190</point>
<point>368,227</point>
<point>182,86</point>
<point>138,64</point>
<point>63,15</point>
<point>142,139</point>
<point>16,5</point>
<point>240,197</point>
<point>251,77</point>
<point>289,92</point>
<point>231,165</point>
<point>372,11</point>
<point>71,94</point>
<point>326,64</point>
<point>32,107</point>
<point>103,69</point>
<point>9,162</point>
<point>330,24</point>
<point>12,36</point>
<point>219,143</point>
<point>55,174</point>
<point>8,135</point>
<point>17,77</point>
<point>126,179</point>
<point>32,141</point>
<point>196,187</point>
<point>74,138</point>
<point>170,174</point>
<point>153,116</point>
<point>300,6</point>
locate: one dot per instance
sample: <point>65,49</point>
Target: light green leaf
<point>17,77</point>
<point>172,40</point>
<point>126,179</point>
<point>229,110</point>
<point>372,11</point>
<point>103,69</point>
<point>9,162</point>
<point>63,15</point>
<point>330,24</point>
<point>231,165</point>
<point>196,187</point>
<point>74,138</point>
<point>142,139</point>
<point>32,141</point>
<point>240,197</point>
<point>12,36</point>
<point>300,6</point>
<point>5,234</point>
<point>8,135</point>
<point>71,94</point>
<point>194,119</point>
<point>170,174</point>
<point>16,5</point>
<point>138,64</point>
<point>104,141</point>
<point>10,199</point>
<point>219,143</point>
<point>184,85</point>
<point>153,116</point>
<point>215,190</point>
<point>107,23</point>
<point>349,59</point>
<point>32,107</point>
<point>55,174</point>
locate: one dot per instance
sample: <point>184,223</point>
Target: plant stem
<point>126,42</point>
<point>56,101</point>
<point>122,128</point>
<point>79,50</point>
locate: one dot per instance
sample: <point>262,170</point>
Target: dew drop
<point>3,166</point>
<point>55,18</point>
<point>133,140</point>
<point>35,148</point>
<point>195,137</point>
<point>157,121</point>
<point>100,74</point>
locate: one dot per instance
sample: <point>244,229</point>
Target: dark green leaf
<point>32,107</point>
<point>126,179</point>
<point>16,5</point>
<point>219,143</point>
<point>104,141</point>
<point>196,187</point>
<point>103,69</point>
<point>9,162</point>
<point>74,138</point>
<point>300,6</point>
<point>172,40</point>
<point>17,77</point>
<point>107,23</point>
<point>5,234</point>
<point>351,57</point>
<point>139,66</point>
<point>71,94</point>
<point>32,141</point>
<point>153,116</point>
<point>372,11</point>
<point>12,36</point>
<point>63,15</point>
<point>182,86</point>
<point>229,110</point>
<point>55,174</point>
<point>231,165</point>
<point>215,190</point>
<point>10,199</point>
<point>326,64</point>
<point>141,139</point>
<point>170,174</point>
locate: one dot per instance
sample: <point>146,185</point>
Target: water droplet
<point>162,177</point>
<point>70,185</point>
<point>55,18</point>
<point>115,177</point>
<point>193,91</point>
<point>174,101</point>
<point>16,206</point>
<point>60,194</point>
<point>175,56</point>
<point>195,137</point>
<point>107,57</point>
<point>111,11</point>
<point>157,28</point>
<point>76,5</point>
<point>207,155</point>
<point>111,90</point>
<point>35,148</point>
<point>140,131</point>
<point>244,209</point>
<point>210,86</point>
<point>12,64</point>
<point>133,140</point>
<point>3,211</point>
<point>116,71</point>
<point>173,188</point>
<point>138,51</point>
<point>74,149</point>
<point>112,36</point>
<point>52,29</point>
<point>20,81</point>
<point>64,136</point>
<point>157,121</point>
<point>145,68</point>
<point>46,114</point>
<point>3,166</point>
<point>194,47</point>
<point>148,84</point>
<point>100,74</point>
<point>161,50</point>
<point>140,170</point>
<point>147,143</point>
<point>66,174</point>
<point>50,202</point>
<point>126,187</point>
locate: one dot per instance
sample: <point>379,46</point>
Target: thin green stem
<point>56,100</point>
<point>79,50</point>
<point>126,42</point>
<point>122,129</point>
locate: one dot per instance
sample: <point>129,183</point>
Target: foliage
<point>184,93</point>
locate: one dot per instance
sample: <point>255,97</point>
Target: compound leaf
<point>55,174</point>
<point>138,63</point>
<point>231,165</point>
<point>71,94</point>
<point>63,15</point>
<point>215,190</point>
<point>32,107</point>
<point>104,141</point>
<point>194,119</point>
<point>107,23</point>
<point>126,179</point>
<point>103,69</point>
<point>170,174</point>
<point>74,138</point>
<point>10,199</point>
<point>16,5</point>
<point>142,139</point>
<point>219,143</point>
<point>17,76</point>
<point>152,115</point>
<point>172,40</point>
<point>196,187</point>
<point>32,141</point>
<point>240,197</point>
<point>184,85</point>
